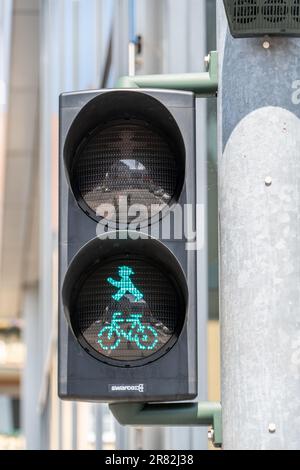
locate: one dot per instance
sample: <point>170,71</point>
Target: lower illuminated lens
<point>128,309</point>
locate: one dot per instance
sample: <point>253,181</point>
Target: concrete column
<point>259,203</point>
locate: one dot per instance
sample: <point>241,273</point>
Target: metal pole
<point>99,412</point>
<point>132,37</point>
<point>31,421</point>
<point>259,203</point>
<point>131,59</point>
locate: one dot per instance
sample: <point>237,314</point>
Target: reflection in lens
<point>129,160</point>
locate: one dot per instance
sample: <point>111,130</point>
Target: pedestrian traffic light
<point>127,308</point>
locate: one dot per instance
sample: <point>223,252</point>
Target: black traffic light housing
<point>127,310</point>
<point>250,18</point>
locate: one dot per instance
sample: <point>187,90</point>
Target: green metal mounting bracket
<point>171,414</point>
<point>203,84</point>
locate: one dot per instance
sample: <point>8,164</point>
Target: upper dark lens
<point>128,160</point>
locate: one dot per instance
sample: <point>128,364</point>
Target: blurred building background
<point>47,47</point>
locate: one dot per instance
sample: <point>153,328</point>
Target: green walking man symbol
<point>130,328</point>
<point>125,285</point>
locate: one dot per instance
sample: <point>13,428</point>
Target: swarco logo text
<point>127,388</point>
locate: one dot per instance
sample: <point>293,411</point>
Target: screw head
<point>272,428</point>
<point>268,181</point>
<point>207,61</point>
<point>266,44</point>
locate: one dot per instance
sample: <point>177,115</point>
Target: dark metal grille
<point>130,161</point>
<point>245,11</point>
<point>275,10</point>
<point>296,10</point>
<point>130,328</point>
<point>263,17</point>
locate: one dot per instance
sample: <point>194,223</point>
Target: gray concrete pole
<point>259,203</point>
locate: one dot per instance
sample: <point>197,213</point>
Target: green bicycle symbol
<point>145,337</point>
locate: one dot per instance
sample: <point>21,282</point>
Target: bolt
<point>211,434</point>
<point>272,428</point>
<point>268,181</point>
<point>207,61</point>
<point>266,44</point>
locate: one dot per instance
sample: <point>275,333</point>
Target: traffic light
<point>127,309</point>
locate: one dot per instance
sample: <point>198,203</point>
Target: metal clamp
<point>171,414</point>
<point>202,84</point>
